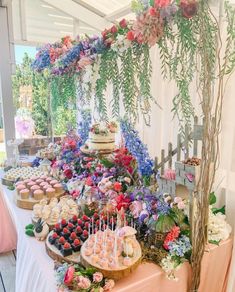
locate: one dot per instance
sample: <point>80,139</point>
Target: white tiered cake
<point>102,137</point>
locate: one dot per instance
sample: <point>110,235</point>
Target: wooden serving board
<point>55,254</point>
<point>30,202</point>
<point>115,274</point>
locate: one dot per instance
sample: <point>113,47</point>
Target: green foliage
<point>229,63</point>
<point>63,94</point>
<point>63,119</point>
<point>212,198</point>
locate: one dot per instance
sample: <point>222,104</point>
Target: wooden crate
<point>187,175</point>
<point>167,186</point>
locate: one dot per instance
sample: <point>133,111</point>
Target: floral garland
<point>122,55</point>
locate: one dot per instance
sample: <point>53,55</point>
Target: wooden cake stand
<point>30,202</point>
<point>87,151</point>
<point>55,254</point>
<point>118,273</point>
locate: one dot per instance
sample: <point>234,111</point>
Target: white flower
<point>218,228</point>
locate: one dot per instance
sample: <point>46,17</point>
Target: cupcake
<point>30,184</point>
<point>39,180</point>
<point>54,182</point>
<point>44,177</point>
<point>38,194</point>
<point>34,178</point>
<point>21,182</point>
<point>20,188</point>
<point>49,179</point>
<point>47,186</point>
<point>26,181</point>
<point>58,188</point>
<point>34,188</point>
<point>24,194</point>
<point>43,183</point>
<point>50,192</point>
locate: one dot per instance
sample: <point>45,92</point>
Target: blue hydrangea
<point>137,148</point>
<point>180,246</point>
<point>42,61</point>
<point>72,55</point>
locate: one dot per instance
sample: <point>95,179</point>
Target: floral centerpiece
<point>77,278</point>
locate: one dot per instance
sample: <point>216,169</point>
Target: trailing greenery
<point>63,94</point>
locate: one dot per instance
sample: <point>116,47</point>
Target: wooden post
<point>195,141</point>
<point>178,147</point>
<point>186,142</point>
<point>170,155</point>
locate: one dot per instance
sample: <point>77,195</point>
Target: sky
<point>20,50</point>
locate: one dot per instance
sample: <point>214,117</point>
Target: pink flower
<point>123,23</point>
<point>181,205</point>
<point>162,3</point>
<point>189,8</point>
<point>177,200</point>
<point>136,208</point>
<point>130,35</point>
<point>68,278</point>
<point>89,181</point>
<point>84,283</point>
<point>84,61</point>
<point>109,284</point>
<point>97,277</point>
<point>152,11</point>
<point>114,29</point>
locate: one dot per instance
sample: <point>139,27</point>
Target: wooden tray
<point>55,254</point>
<point>87,151</point>
<point>29,203</point>
<point>115,274</point>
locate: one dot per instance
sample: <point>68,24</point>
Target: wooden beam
<point>23,30</point>
<point>79,12</point>
<point>119,13</point>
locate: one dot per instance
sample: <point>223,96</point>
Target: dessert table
<point>35,269</point>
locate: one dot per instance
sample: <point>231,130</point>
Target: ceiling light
<point>63,24</point>
<point>60,16</point>
<point>47,6</point>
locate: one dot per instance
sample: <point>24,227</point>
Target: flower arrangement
<point>104,128</point>
<point>77,278</point>
<point>136,147</point>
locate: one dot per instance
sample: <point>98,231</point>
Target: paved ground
<point>7,272</point>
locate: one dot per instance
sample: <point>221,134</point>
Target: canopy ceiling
<point>41,21</point>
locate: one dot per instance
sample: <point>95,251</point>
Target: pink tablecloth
<point>8,237</point>
<point>150,278</point>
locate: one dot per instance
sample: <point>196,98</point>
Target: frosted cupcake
<point>38,194</point>
<point>58,188</point>
<point>43,184</point>
<point>20,188</point>
<point>21,182</point>
<point>49,179</point>
<point>39,180</point>
<point>24,194</point>
<point>47,186</point>
<point>31,183</point>
<point>34,188</point>
<point>50,192</point>
<point>54,182</point>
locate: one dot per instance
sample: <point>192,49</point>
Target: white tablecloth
<point>34,268</point>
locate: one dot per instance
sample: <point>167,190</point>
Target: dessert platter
<point>65,240</point>
<point>115,253</point>
<point>22,173</point>
<point>31,191</point>
<point>55,210</point>
<point>101,139</point>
